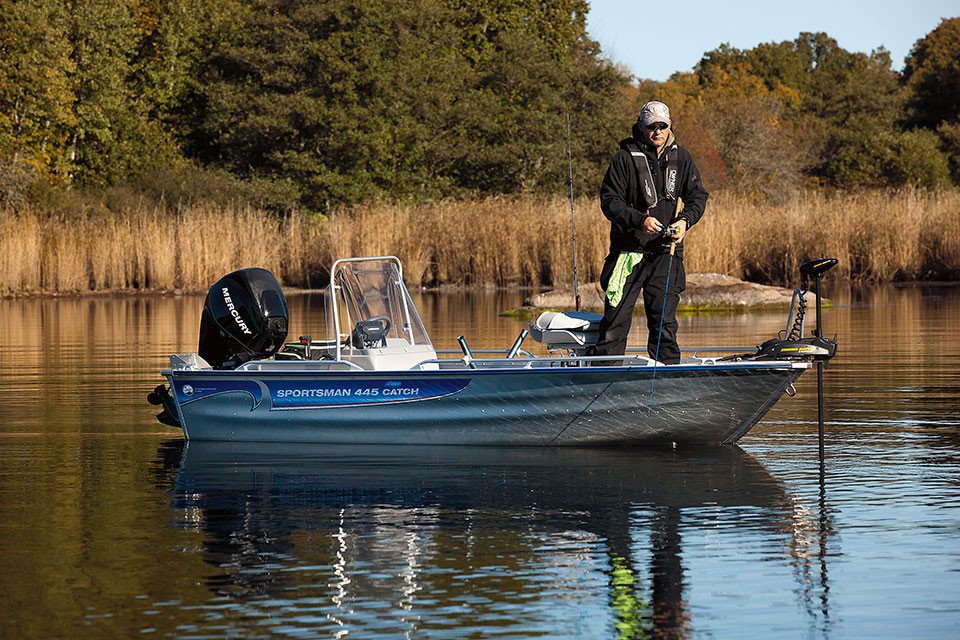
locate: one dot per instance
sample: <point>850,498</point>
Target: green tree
<point>339,98</point>
<point>174,37</point>
<point>36,90</point>
<point>69,106</point>
<point>524,94</point>
<point>113,137</point>
<point>870,154</point>
<point>352,100</point>
<point>557,25</point>
<point>931,74</point>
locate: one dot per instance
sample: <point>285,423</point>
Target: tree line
<point>310,105</point>
<point>807,113</point>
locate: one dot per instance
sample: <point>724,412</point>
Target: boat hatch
<point>371,317</point>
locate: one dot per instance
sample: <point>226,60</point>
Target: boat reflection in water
<point>388,540</point>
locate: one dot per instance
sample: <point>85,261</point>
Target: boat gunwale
<point>512,370</point>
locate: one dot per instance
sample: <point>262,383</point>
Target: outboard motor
<point>244,318</point>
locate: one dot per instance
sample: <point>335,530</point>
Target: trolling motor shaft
<point>815,269</point>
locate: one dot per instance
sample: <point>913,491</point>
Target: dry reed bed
<point>147,249</point>
<point>878,236</point>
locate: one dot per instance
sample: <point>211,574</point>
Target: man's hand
<point>651,226</point>
<point>680,229</point>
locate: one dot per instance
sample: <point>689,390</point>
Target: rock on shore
<point>704,292</point>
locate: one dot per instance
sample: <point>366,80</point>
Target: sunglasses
<point>657,126</point>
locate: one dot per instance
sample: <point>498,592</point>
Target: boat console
<point>371,319</point>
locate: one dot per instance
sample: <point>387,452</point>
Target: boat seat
<point>566,329</point>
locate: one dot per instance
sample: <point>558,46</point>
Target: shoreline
<point>704,293</point>
<point>549,299</point>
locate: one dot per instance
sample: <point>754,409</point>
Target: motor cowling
<point>244,318</point>
<point>812,348</point>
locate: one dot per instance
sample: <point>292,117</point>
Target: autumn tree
<point>750,124</point>
<point>839,111</point>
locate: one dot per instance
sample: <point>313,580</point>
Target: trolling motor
<point>792,345</point>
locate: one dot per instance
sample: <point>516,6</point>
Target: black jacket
<point>621,203</point>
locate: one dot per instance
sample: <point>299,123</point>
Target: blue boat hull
<point>703,404</point>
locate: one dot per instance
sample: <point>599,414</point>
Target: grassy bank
<point>879,236</point>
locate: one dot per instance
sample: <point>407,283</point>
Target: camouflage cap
<point>654,111</point>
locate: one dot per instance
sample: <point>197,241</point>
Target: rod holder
<point>467,354</point>
<point>516,344</point>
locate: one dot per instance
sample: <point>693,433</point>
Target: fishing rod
<point>656,357</point>
<point>573,222</point>
<point>663,309</point>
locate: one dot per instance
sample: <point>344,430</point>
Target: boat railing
<point>502,352</point>
<point>534,362</point>
<point>630,350</point>
<point>300,365</point>
<point>694,350</point>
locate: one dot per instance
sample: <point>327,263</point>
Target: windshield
<point>370,291</point>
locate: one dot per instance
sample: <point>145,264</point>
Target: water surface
<point>111,527</point>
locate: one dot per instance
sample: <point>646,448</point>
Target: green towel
<point>626,261</point>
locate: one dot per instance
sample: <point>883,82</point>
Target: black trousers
<point>660,300</point>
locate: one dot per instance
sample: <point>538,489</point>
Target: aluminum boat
<point>377,378</point>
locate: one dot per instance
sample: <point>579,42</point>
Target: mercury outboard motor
<point>244,318</point>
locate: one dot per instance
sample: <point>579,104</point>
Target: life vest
<point>646,183</point>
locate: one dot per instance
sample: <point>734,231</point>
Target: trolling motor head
<point>816,268</point>
<point>810,348</point>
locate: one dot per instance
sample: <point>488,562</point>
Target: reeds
<point>878,236</point>
<point>150,249</point>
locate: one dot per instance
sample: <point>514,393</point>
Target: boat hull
<point>703,404</point>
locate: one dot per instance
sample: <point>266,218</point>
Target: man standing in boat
<point>647,178</point>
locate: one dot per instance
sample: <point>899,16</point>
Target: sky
<point>693,27</point>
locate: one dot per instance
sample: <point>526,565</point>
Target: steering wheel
<point>371,333</point>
